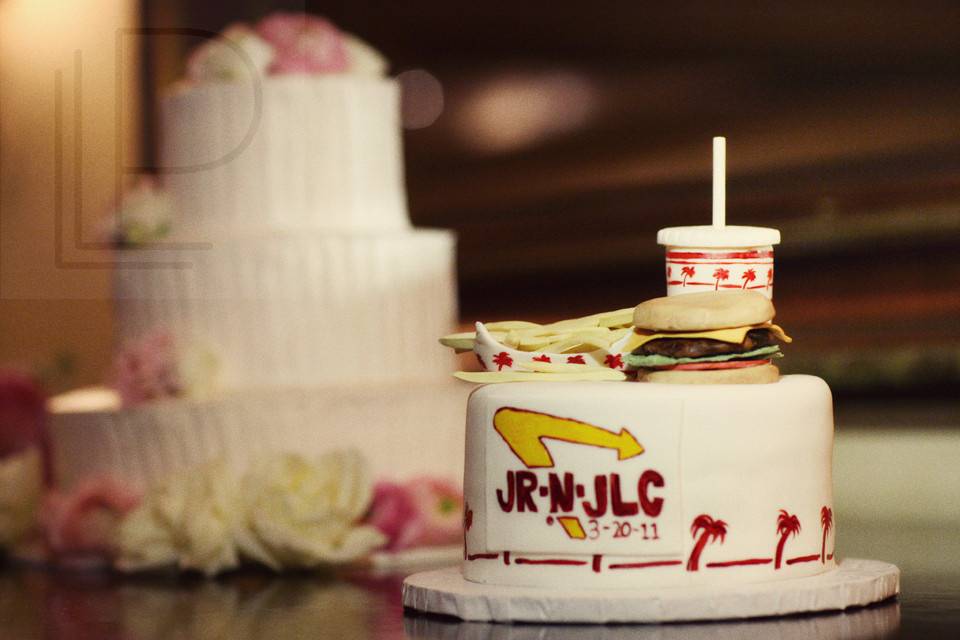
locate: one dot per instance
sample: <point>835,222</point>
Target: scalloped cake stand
<point>854,583</point>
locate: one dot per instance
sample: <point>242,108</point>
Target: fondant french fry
<point>508,325</point>
<point>459,341</point>
<point>621,318</point>
<point>556,367</point>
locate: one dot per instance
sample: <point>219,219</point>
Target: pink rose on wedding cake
<point>85,520</point>
<point>303,43</point>
<point>420,512</point>
<point>23,446</point>
<point>282,43</point>
<point>146,369</point>
<point>22,414</point>
<point>155,367</point>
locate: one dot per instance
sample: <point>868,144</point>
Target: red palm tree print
<point>502,360</point>
<point>718,275</point>
<point>826,523</point>
<point>614,361</point>
<point>709,530</point>
<point>688,272</point>
<point>748,276</point>
<point>787,525</point>
<point>769,277</point>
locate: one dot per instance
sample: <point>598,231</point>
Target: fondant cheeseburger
<point>724,337</point>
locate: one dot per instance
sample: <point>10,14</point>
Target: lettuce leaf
<point>641,361</point>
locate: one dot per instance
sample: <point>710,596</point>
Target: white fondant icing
<point>300,309</point>
<point>145,445</point>
<point>745,453</point>
<point>291,152</point>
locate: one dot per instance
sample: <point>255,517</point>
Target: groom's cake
<point>650,464</point>
<point>656,484</point>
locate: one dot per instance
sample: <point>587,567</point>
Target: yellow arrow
<point>524,432</point>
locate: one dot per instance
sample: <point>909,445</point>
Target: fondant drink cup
<point>717,257</point>
<point>709,258</point>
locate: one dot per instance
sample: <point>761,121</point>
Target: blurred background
<point>555,138</point>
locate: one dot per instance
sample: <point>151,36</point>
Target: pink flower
<point>83,521</point>
<point>423,511</point>
<point>147,369</point>
<point>303,43</point>
<point>441,504</point>
<point>392,512</point>
<point>23,414</point>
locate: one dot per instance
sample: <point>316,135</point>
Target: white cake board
<point>854,583</point>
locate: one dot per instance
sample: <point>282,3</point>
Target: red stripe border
<point>739,563</point>
<point>644,565</point>
<point>554,561</point>
<point>718,255</point>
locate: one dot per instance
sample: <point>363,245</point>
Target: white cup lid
<point>708,236</point>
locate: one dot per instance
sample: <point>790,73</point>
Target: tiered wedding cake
<point>290,266</point>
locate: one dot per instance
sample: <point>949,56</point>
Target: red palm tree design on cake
<point>826,523</point>
<point>748,276</point>
<point>718,275</point>
<point>502,360</point>
<point>467,523</point>
<point>709,530</point>
<point>787,525</point>
<point>769,277</point>
<point>688,272</point>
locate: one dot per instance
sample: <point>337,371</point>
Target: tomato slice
<point>730,364</point>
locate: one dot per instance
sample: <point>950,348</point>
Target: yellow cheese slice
<point>486,377</point>
<point>734,336</point>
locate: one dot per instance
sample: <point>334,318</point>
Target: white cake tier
<point>634,485</point>
<point>402,431</point>
<point>299,309</point>
<point>292,152</point>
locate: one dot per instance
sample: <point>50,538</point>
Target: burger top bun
<point>703,311</point>
<point>760,374</point>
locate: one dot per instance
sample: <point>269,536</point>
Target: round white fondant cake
<point>633,485</point>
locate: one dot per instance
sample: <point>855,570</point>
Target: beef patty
<point>698,347</point>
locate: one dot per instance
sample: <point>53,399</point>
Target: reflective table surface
<point>36,603</point>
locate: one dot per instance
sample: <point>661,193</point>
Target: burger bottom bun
<point>761,374</point>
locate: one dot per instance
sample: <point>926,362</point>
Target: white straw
<point>719,181</point>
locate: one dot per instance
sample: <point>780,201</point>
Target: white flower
<point>363,59</point>
<point>191,521</point>
<point>21,486</point>
<point>199,371</point>
<point>143,216</point>
<point>301,513</point>
<point>238,54</point>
